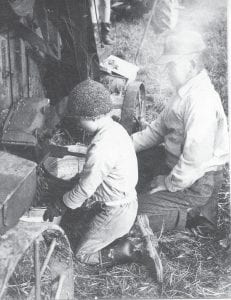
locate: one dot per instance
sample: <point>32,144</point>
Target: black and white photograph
<point>115,149</point>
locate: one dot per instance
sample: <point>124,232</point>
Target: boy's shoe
<point>140,251</point>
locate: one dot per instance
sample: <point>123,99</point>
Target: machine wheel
<point>35,263</point>
<point>134,106</point>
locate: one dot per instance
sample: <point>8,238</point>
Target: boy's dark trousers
<point>168,210</point>
<point>92,229</point>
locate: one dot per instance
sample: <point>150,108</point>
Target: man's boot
<point>198,224</point>
<point>140,250</point>
<point>105,33</point>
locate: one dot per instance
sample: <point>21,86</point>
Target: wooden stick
<point>60,285</point>
<point>43,269</point>
<point>37,270</point>
<point>148,236</point>
<point>51,250</point>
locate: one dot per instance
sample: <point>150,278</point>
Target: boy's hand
<point>157,184</point>
<point>54,210</point>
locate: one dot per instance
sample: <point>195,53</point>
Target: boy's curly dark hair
<point>89,99</point>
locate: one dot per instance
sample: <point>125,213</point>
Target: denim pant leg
<point>108,225</point>
<point>210,209</point>
<point>165,210</point>
<point>168,210</point>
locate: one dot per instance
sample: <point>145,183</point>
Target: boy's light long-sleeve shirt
<point>193,127</point>
<point>110,172</point>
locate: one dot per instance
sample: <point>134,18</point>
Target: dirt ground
<point>193,267</point>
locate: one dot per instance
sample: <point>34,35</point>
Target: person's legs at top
<point>105,13</point>
<point>95,17</point>
<point>94,9</point>
<point>101,14</point>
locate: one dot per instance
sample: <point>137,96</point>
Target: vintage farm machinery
<point>46,48</point>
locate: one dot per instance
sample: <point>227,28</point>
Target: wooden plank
<point>13,171</point>
<point>35,82</point>
<point>17,188</point>
<point>25,81</point>
<point>18,66</point>
<point>5,82</point>
<point>14,51</point>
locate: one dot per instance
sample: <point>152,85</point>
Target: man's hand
<point>142,123</point>
<point>55,209</point>
<point>157,184</point>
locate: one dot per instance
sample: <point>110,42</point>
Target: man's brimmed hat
<point>181,44</point>
<point>89,99</point>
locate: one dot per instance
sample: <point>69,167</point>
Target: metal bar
<point>47,259</point>
<point>60,285</point>
<point>37,270</point>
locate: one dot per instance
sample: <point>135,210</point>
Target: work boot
<point>121,251</point>
<point>199,225</point>
<point>141,250</point>
<point>105,33</point>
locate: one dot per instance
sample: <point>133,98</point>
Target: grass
<point>21,284</point>
<point>193,267</point>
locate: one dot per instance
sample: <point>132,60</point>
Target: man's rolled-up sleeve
<point>151,136</point>
<point>200,129</point>
<point>97,166</point>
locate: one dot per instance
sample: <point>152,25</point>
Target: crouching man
<point>185,173</point>
<point>109,178</point>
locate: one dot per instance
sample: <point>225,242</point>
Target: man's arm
<point>200,129</point>
<point>98,164</point>
<point>152,135</point>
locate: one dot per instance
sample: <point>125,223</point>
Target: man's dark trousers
<point>168,210</point>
